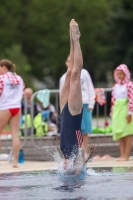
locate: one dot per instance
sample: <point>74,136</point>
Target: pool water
<point>99,184</point>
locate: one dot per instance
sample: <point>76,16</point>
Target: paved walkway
<point>6,167</point>
<point>27,166</point>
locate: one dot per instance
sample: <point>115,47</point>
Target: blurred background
<point>34,35</point>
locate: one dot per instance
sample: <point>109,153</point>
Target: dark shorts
<point>86,125</point>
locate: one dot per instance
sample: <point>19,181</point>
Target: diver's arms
<point>92,148</point>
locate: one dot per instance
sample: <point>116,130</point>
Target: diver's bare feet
<point>74,30</point>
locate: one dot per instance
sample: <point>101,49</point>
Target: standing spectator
<point>88,100</point>
<point>122,110</point>
<point>11,91</point>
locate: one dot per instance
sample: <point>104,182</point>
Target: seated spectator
<point>28,92</point>
<point>50,116</point>
<point>40,127</point>
<point>47,109</point>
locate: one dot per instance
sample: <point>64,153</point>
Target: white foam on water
<point>68,174</point>
<point>91,172</point>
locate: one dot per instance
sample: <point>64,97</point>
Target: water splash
<point>103,172</point>
<point>68,173</point>
<point>91,172</point>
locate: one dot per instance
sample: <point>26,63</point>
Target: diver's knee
<point>68,73</point>
<point>75,74</point>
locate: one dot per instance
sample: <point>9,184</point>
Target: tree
<point>41,27</point>
<point>121,33</point>
<point>14,53</point>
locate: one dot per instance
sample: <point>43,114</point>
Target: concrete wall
<point>43,148</point>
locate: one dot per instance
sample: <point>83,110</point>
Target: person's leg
<point>4,118</point>
<point>75,95</point>
<point>122,148</point>
<point>128,146</point>
<point>14,126</point>
<point>125,148</point>
<point>85,144</point>
<point>65,90</point>
<point>86,128</point>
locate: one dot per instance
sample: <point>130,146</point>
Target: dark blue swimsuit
<point>70,134</point>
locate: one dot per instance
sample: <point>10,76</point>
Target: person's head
<point>73,165</point>
<point>6,66</point>
<point>28,93</point>
<point>69,167</point>
<point>67,62</point>
<point>122,74</point>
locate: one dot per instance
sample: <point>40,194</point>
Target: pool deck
<point>6,167</point>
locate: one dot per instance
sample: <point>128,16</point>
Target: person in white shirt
<point>88,100</point>
<point>11,92</point>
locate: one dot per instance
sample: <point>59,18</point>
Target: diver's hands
<point>129,118</point>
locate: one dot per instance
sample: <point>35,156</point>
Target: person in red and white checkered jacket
<point>11,92</point>
<point>122,111</point>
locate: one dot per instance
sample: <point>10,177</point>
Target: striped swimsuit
<point>70,134</point>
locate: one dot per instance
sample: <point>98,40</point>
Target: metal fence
<point>56,93</point>
<point>97,113</point>
<point>106,112</point>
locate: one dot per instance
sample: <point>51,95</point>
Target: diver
<point>71,108</point>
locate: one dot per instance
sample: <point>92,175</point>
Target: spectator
<point>11,91</point>
<point>88,99</point>
<point>50,116</point>
<point>28,92</point>
<point>26,114</point>
<point>122,111</point>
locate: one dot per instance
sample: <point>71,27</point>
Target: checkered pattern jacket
<point>129,86</point>
<point>11,91</point>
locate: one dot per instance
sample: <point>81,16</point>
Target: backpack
<point>40,126</point>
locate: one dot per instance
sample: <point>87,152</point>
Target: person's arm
<point>1,84</point>
<point>61,82</point>
<point>130,102</point>
<point>23,86</point>
<point>91,151</point>
<point>112,100</point>
<point>91,91</point>
<point>22,107</point>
